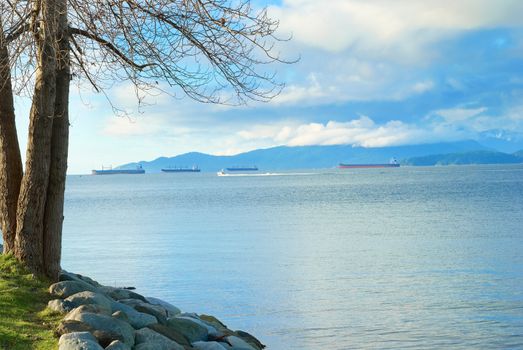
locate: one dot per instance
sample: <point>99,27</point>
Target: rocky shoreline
<point>100,317</point>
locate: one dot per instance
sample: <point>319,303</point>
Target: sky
<point>372,73</point>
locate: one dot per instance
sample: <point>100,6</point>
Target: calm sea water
<point>422,258</point>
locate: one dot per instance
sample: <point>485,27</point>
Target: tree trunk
<point>59,150</point>
<point>10,160</point>
<point>33,191</point>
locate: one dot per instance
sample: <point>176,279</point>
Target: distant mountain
<point>305,157</point>
<point>472,157</point>
<point>502,140</point>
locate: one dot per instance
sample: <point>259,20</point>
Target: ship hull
<point>118,172</point>
<point>367,166</point>
<point>181,170</point>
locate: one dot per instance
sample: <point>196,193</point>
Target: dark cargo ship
<point>193,169</point>
<point>392,164</point>
<point>111,171</point>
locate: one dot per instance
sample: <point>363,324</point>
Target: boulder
<point>170,333</point>
<point>60,305</point>
<point>94,309</point>
<point>136,319</point>
<point>65,289</point>
<point>109,327</point>
<point>78,341</point>
<point>209,345</point>
<point>155,310</point>
<point>118,345</point>
<point>68,276</point>
<point>194,318</point>
<point>121,316</point>
<point>239,343</point>
<point>87,298</point>
<point>213,321</point>
<point>191,330</point>
<point>148,336</point>
<point>72,326</point>
<point>121,293</point>
<point>171,309</point>
<point>252,340</point>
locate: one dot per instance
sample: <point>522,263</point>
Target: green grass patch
<point>25,323</point>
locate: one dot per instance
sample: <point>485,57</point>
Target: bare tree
<point>214,51</point>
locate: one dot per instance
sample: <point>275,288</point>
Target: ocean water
<point>421,258</point>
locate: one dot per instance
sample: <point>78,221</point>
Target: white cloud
<point>362,132</point>
<point>381,25</point>
<point>459,114</point>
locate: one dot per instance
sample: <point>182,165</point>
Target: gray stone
<point>78,341</point>
<point>118,345</point>
<point>60,306</point>
<point>136,319</point>
<point>171,333</point>
<point>252,340</point>
<point>92,308</point>
<point>121,316</point>
<point>113,329</point>
<point>148,336</point>
<point>210,329</point>
<point>68,276</point>
<point>86,298</point>
<point>72,326</point>
<point>239,344</point>
<point>65,289</point>
<point>120,293</point>
<point>171,309</point>
<point>1,249</point>
<point>208,345</point>
<point>155,310</point>
<point>191,330</point>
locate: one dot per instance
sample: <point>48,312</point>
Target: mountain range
<point>307,157</point>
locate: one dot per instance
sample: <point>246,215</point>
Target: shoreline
<point>102,317</point>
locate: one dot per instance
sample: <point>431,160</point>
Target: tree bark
<point>54,208</point>
<point>10,160</point>
<point>33,191</point>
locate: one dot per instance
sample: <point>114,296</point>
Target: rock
<point>1,249</point>
<point>209,345</point>
<point>121,316</point>
<point>78,341</point>
<point>155,310</point>
<point>170,333</point>
<point>147,335</point>
<point>249,338</point>
<point>120,293</point>
<point>171,309</point>
<point>94,309</point>
<point>87,298</point>
<point>136,319</point>
<point>118,345</point>
<point>60,305</point>
<point>111,328</point>
<point>65,289</point>
<point>191,330</point>
<point>68,276</point>
<point>193,317</point>
<point>216,323</point>
<point>72,326</point>
<point>239,343</point>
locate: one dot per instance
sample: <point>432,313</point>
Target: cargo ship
<point>193,169</point>
<point>392,164</point>
<point>242,168</point>
<point>238,170</point>
<point>111,171</point>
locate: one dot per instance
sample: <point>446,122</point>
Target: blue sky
<point>372,73</point>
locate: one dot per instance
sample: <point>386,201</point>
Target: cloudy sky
<point>372,73</point>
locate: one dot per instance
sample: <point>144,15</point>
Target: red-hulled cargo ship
<point>393,164</point>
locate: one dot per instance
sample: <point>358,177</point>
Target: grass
<point>25,323</point>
